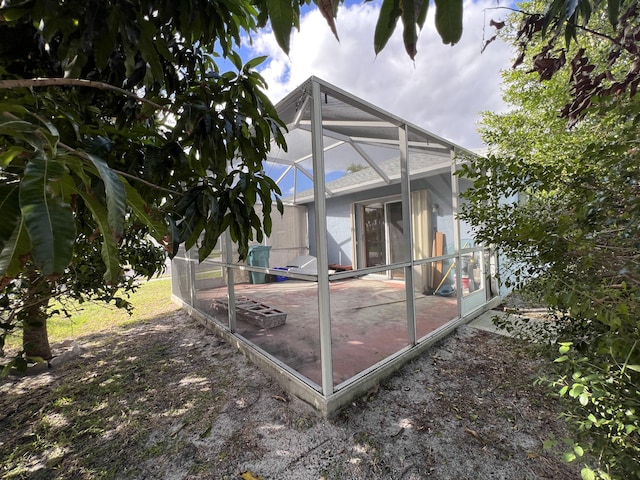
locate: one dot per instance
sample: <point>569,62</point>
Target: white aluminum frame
<point>311,94</point>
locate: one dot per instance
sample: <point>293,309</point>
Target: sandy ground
<point>168,400</point>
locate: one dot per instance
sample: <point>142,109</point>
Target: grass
<point>93,418</point>
<point>208,274</point>
<point>153,298</point>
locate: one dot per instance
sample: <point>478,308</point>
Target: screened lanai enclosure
<point>367,266</point>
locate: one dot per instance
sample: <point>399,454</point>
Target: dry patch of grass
<point>93,416</point>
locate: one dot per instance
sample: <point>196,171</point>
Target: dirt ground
<point>168,400</point>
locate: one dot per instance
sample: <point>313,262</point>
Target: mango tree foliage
<point>574,236</point>
<point>115,119</point>
<point>556,20</point>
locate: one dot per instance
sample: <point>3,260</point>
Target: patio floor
<point>368,321</point>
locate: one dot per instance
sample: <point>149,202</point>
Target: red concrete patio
<point>368,321</point>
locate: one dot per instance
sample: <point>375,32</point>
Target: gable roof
<point>357,137</point>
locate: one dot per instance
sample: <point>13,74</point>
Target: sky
<point>443,90</point>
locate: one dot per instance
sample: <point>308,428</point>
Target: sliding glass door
<point>382,235</point>
<point>375,245</point>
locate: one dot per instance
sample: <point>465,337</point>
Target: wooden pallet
<point>252,312</point>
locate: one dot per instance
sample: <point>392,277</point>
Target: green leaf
<point>613,11</point>
<point>147,47</point>
<point>157,228</point>
<point>387,21</point>
<point>13,108</point>
<point>565,347</point>
<point>254,62</point>
<point>10,208</point>
<point>569,457</point>
<point>109,251</point>
<point>422,7</point>
<point>576,390</point>
<point>49,222</point>
<point>281,16</point>
<point>115,195</point>
<point>584,7</point>
<point>554,10</point>
<point>17,246</point>
<point>409,33</point>
<point>587,474</point>
<point>235,59</point>
<point>194,232</point>
<point>39,138</point>
<point>561,359</point>
<point>570,32</point>
<point>579,451</point>
<point>174,236</point>
<point>12,14</point>
<point>103,48</point>
<point>449,20</point>
<point>7,156</point>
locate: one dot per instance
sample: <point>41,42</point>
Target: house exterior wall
<point>289,236</point>
<point>339,215</point>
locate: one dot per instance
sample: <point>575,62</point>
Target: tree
<point>574,240</point>
<point>114,118</point>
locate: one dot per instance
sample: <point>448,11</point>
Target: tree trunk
<point>35,339</point>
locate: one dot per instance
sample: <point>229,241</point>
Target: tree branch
<point>580,27</point>
<point>597,34</point>
<point>74,82</point>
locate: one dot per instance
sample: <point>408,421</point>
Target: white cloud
<point>443,91</point>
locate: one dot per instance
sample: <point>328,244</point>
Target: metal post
<point>455,192</point>
<point>191,269</point>
<point>405,187</point>
<point>231,291</point>
<point>324,309</point>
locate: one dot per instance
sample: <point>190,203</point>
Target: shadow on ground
<point>166,399</point>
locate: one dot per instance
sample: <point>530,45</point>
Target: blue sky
<point>443,91</point>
